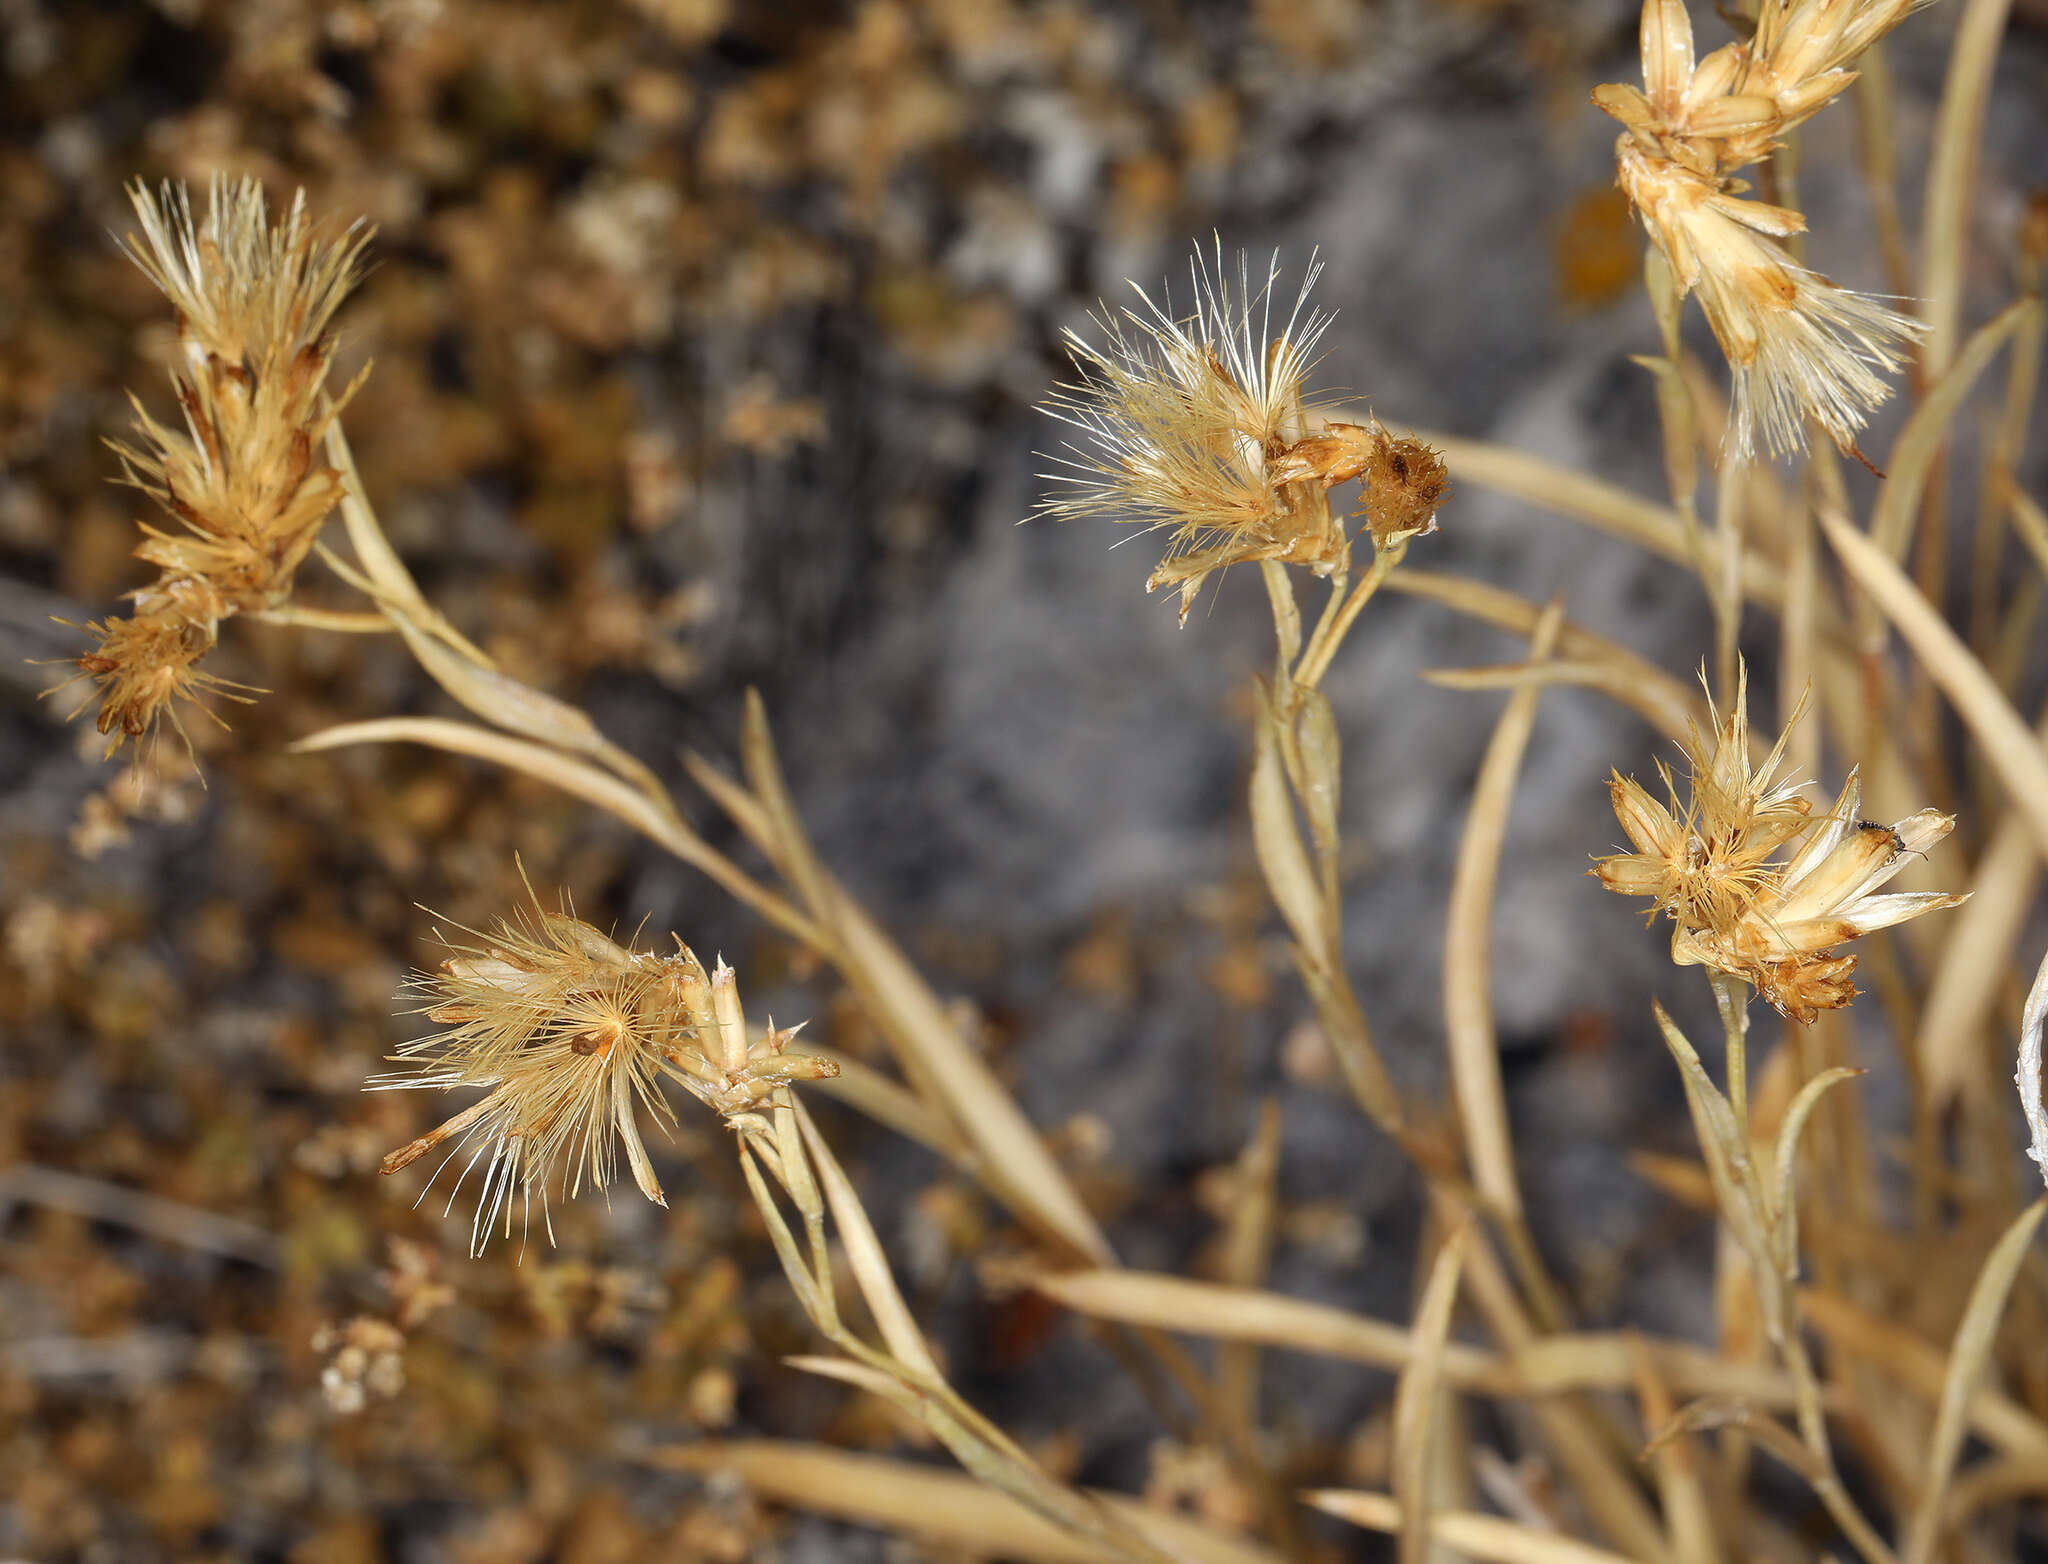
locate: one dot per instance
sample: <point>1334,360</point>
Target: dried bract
<point>1712,865</point>
<point>569,1034</point>
<point>1798,346</point>
<point>1196,424</point>
<point>242,479</point>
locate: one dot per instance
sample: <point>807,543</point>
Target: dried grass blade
<point>340,620</point>
<point>1176,1303</point>
<point>1952,177</point>
<point>1784,1192</point>
<point>1468,944</point>
<point>1913,453</point>
<point>1014,1163</point>
<point>1004,1470</point>
<point>1416,1394</point>
<point>2031,521</point>
<point>1546,1366</point>
<point>1483,1538</point>
<point>1607,679</point>
<point>1967,1362</point>
<point>1668,704</point>
<point>891,1105</point>
<point>2009,744</point>
<point>1688,1513</point>
<point>1918,1363</point>
<point>812,1292</point>
<point>627,804</point>
<point>793,853</point>
<point>1277,839</point>
<point>1018,1166</point>
<point>864,1257</point>
<point>941,1508</point>
<point>1723,1142</point>
<point>1247,1251</point>
<point>1593,501</point>
<point>501,699</point>
<point>390,581</point>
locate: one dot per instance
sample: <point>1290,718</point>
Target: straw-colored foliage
<point>1859,1342</point>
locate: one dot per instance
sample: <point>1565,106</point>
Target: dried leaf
<point>1967,1362</point>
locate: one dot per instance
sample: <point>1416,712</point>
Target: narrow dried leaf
<point>574,777</point>
<point>1017,1166</point>
<point>1486,1539</point>
<point>1725,1147</point>
<point>1277,839</point>
<point>1468,944</point>
<point>1013,1162</point>
<point>501,699</point>
<point>1669,705</point>
<point>814,1297</point>
<point>1967,1362</point>
<point>1593,501</point>
<point>941,1508</point>
<point>1676,1459</point>
<point>1416,1394</point>
<point>792,851</point>
<point>388,580</point>
<point>865,1258</point>
<point>1926,432</point>
<point>1784,1191</point>
<point>1547,1366</point>
<point>1321,749</point>
<point>2010,747</point>
<point>1963,990</point>
<point>1918,1363</point>
<point>1951,177</point>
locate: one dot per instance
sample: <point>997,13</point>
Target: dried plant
<point>1198,425</point>
<point>243,481</point>
<point>1711,864</point>
<point>1844,1346</point>
<point>1799,347</point>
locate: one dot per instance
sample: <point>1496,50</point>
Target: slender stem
<point>1827,1482</point>
<point>1731,998</point>
<point>1329,635</point>
<point>340,619</point>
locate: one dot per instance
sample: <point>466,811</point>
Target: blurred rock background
<point>706,337</point>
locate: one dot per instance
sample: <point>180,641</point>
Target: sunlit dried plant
<point>244,479</point>
<point>569,1034</point>
<point>1798,346</point>
<point>1712,864</point>
<point>1197,425</point>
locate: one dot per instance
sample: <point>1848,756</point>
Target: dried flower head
<point>569,1034</point>
<point>243,479</point>
<point>1798,346</point>
<point>1196,424</point>
<point>1712,865</point>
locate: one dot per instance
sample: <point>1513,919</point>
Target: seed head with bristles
<point>1798,347</point>
<point>1196,424</point>
<point>243,480</point>
<point>569,1035</point>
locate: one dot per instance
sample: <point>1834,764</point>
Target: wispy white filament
<point>2029,1076</point>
